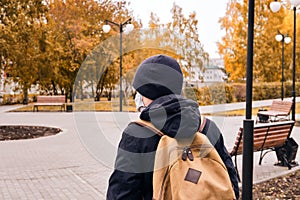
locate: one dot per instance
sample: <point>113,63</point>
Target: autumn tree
<point>233,44</point>
<point>75,31</point>
<point>185,39</point>
<point>178,38</point>
<point>104,59</point>
<point>267,51</point>
<point>22,33</point>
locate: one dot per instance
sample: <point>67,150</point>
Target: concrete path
<point>77,163</point>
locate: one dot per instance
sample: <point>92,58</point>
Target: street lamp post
<point>126,27</point>
<point>283,39</point>
<point>248,123</point>
<point>275,6</point>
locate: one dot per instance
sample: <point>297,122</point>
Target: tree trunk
<point>54,88</point>
<point>100,86</point>
<point>25,99</point>
<point>71,94</point>
<point>109,94</point>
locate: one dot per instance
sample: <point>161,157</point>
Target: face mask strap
<point>139,102</point>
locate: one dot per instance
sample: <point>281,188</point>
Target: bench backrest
<point>265,136</point>
<point>51,99</point>
<point>281,106</point>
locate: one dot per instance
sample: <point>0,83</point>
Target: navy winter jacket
<point>175,116</point>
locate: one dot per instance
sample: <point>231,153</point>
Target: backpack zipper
<point>187,151</point>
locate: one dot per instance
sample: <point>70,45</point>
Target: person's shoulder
<point>137,130</point>
<point>137,138</point>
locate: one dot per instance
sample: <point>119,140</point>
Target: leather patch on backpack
<point>193,175</point>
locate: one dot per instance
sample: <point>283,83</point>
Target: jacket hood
<point>174,115</point>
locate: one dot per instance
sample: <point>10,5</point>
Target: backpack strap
<point>150,126</point>
<point>203,123</point>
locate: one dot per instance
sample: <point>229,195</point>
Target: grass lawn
<point>86,105</point>
<point>240,112</point>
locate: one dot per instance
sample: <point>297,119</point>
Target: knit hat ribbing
<point>158,76</point>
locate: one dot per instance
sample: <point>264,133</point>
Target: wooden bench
<point>57,100</point>
<point>279,110</point>
<point>265,137</point>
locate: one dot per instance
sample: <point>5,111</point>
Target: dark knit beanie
<point>158,76</point>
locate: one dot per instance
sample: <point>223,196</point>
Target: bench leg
<point>256,120</point>
<point>263,155</point>
<point>35,107</point>
<point>63,108</point>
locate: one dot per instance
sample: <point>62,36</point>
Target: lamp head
<point>106,28</point>
<point>275,6</point>
<point>279,37</point>
<point>294,3</point>
<point>128,28</point>
<point>287,39</point>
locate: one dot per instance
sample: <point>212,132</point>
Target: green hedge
<point>209,95</point>
<point>236,92</point>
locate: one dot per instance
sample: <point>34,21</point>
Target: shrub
<point>236,92</point>
<point>239,92</point>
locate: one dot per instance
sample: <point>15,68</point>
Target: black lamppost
<point>127,27</point>
<point>275,6</point>
<point>248,123</point>
<point>283,39</point>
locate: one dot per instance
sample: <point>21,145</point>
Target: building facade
<point>213,72</point>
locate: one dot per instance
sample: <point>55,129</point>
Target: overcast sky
<point>208,13</point>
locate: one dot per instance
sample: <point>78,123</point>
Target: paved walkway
<point>76,163</point>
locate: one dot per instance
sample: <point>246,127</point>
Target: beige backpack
<point>189,170</point>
